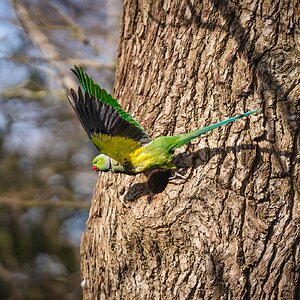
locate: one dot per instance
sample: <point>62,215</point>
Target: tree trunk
<point>230,230</point>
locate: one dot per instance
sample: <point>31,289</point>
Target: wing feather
<point>95,90</point>
<point>117,147</point>
<point>110,133</point>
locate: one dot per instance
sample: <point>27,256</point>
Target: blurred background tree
<point>46,180</point>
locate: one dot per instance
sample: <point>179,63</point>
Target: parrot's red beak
<point>95,168</point>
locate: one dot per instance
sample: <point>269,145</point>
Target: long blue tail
<point>185,138</point>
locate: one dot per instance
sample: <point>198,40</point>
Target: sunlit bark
<point>231,229</point>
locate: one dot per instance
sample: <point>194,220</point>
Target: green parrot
<point>122,142</point>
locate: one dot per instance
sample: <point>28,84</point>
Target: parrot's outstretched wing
<point>93,89</point>
<point>113,134</point>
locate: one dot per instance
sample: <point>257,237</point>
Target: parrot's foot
<point>178,178</point>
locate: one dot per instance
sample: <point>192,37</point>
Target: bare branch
<point>14,201</point>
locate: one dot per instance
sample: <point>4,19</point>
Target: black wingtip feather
<point>98,117</point>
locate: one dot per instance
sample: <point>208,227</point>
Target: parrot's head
<point>101,163</point>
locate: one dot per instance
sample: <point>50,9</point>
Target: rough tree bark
<point>231,229</point>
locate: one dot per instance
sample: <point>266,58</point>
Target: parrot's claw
<point>178,178</point>
<point>176,175</point>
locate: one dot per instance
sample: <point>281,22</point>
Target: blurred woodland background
<point>46,180</point>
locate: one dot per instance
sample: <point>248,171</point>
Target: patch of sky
<point>26,139</point>
<point>11,74</point>
<point>73,227</point>
<point>83,183</point>
<point>6,10</point>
